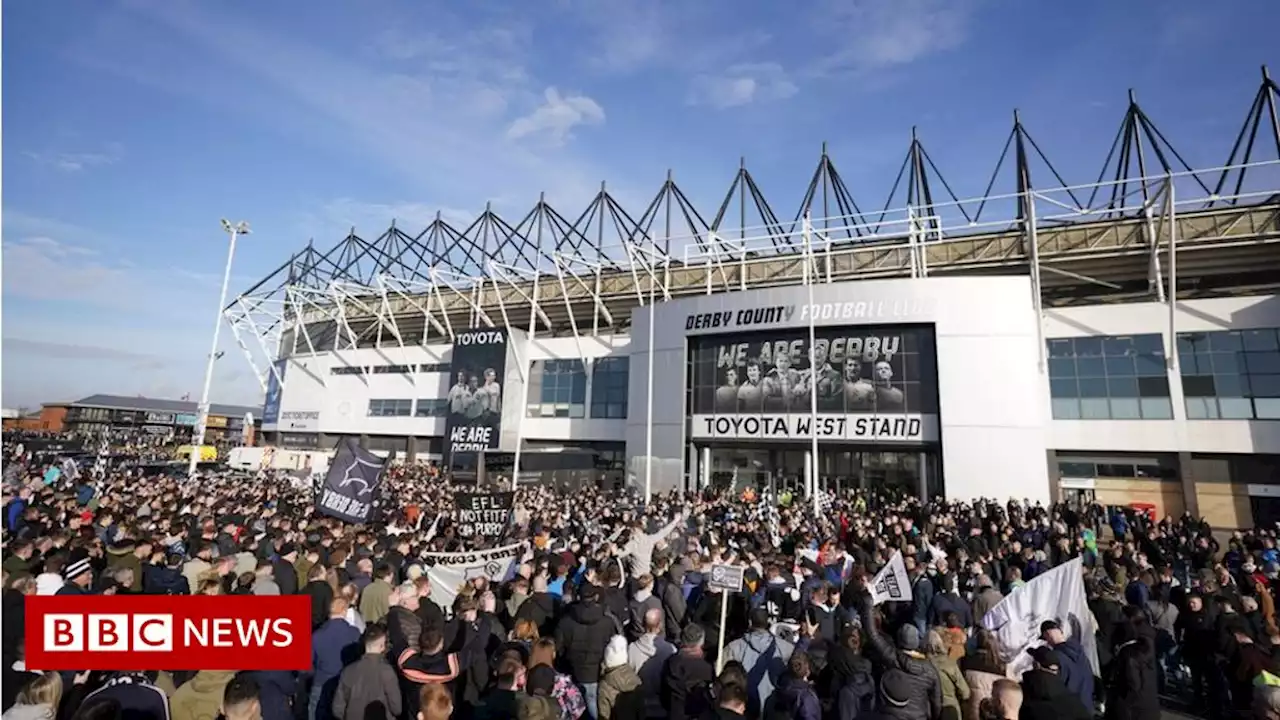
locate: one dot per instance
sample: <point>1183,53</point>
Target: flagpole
<point>813,367</point>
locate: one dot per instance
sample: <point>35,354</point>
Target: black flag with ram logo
<point>350,489</point>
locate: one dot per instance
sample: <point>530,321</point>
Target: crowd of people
<point>611,613</point>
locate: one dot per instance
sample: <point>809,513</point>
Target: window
<point>1231,374</point>
<point>390,408</point>
<point>431,407</point>
<point>392,369</point>
<point>1117,377</point>
<point>557,388</point>
<point>347,370</point>
<point>609,387</point>
<point>433,367</point>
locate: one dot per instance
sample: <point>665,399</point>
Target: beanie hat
<point>541,680</point>
<point>615,653</point>
<point>908,638</point>
<point>76,569</point>
<point>895,688</point>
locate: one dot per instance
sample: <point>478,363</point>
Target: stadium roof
<point>124,402</point>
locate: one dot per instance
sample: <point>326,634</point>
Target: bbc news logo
<point>148,632</point>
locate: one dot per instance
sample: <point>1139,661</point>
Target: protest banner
<point>484,514</point>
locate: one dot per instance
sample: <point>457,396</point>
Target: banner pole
<point>648,414</point>
<point>523,410</point>
<point>724,616</point>
<point>813,367</point>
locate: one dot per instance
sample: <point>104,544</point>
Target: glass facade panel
<point>1231,374</point>
<point>1116,377</point>
<point>557,389</point>
<point>390,408</point>
<point>609,377</point>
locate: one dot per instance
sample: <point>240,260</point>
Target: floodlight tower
<point>202,411</point>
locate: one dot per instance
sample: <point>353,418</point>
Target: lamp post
<point>202,411</point>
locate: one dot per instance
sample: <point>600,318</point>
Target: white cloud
<point>436,110</point>
<point>742,84</point>
<point>556,118</point>
<point>77,161</point>
<point>881,34</point>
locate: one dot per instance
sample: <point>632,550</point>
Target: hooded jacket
<point>120,555</point>
<point>674,606</point>
<point>201,696</point>
<point>765,657</point>
<point>1076,672</point>
<point>582,635</point>
<point>157,580</point>
<point>647,655</point>
<point>619,695</point>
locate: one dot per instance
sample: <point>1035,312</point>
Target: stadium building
<point>1116,341</point>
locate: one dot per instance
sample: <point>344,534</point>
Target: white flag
<point>891,583</point>
<point>450,572</point>
<point>1055,595</point>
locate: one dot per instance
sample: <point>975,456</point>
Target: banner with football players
<point>474,417</point>
<point>872,384</point>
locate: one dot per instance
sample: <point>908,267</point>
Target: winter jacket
<point>981,683</point>
<point>29,712</point>
<point>955,689</point>
<point>1076,671</point>
<point>200,698</point>
<point>647,656</point>
<point>276,689</point>
<point>140,700</point>
<point>286,576</point>
<point>331,646</point>
<point>926,696</point>
<point>158,580</point>
<point>641,603</point>
<point>498,704</point>
<point>541,609</point>
<point>1131,683</point>
<point>368,689</point>
<point>375,601</point>
<point>321,594</point>
<point>796,699</point>
<point>404,630</point>
<point>945,602</point>
<point>686,685</point>
<point>765,658</point>
<point>581,635</point>
<point>674,605</point>
<point>1045,697</point>
<point>619,696</point>
<point>987,598</point>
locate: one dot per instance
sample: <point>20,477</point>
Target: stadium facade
<point>1117,341</point>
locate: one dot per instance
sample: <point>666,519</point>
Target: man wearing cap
<point>1044,695</point>
<point>286,575</point>
<point>78,576</point>
<point>1075,670</point>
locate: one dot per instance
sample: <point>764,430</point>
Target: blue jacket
<point>1076,672</point>
<point>332,645</point>
<point>275,689</point>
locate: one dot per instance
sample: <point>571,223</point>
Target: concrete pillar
<point>1055,477</point>
<point>1186,473</point>
<point>922,488</point>
<point>704,469</point>
<point>364,442</point>
<point>410,448</point>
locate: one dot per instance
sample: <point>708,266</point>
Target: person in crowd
<point>37,699</point>
<point>332,647</point>
<point>620,696</point>
<point>795,696</point>
<point>955,689</point>
<point>764,655</point>
<point>241,698</point>
<point>1045,695</point>
<point>201,697</point>
<point>687,676</point>
<point>368,689</point>
<point>596,566</point>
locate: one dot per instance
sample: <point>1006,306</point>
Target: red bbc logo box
<point>168,632</point>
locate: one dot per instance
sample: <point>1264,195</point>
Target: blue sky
<point>131,126</point>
